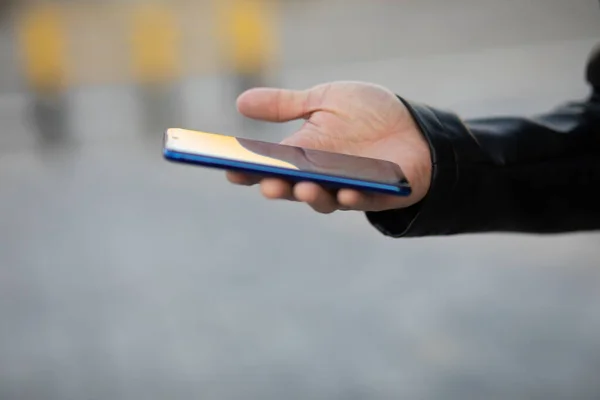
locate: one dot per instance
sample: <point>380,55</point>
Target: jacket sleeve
<point>523,175</point>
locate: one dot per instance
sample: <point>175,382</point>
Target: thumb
<point>274,105</point>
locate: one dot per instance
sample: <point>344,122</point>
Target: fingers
<point>361,201</point>
<point>276,189</point>
<point>271,188</point>
<point>239,178</point>
<point>320,199</point>
<point>315,196</point>
<point>274,105</point>
<point>354,200</point>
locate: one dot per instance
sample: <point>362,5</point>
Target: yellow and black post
<point>42,41</point>
<point>248,28</point>
<point>156,62</point>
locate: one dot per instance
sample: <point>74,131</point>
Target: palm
<point>352,118</point>
<point>362,120</point>
<point>343,122</point>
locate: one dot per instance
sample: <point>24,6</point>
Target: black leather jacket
<point>527,175</point>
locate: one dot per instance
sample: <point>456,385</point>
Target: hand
<point>344,117</point>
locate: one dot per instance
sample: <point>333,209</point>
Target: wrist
<point>435,174</point>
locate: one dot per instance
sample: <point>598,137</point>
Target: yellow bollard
<point>42,42</point>
<point>155,40</point>
<point>249,34</point>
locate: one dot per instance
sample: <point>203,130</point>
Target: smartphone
<point>293,164</point>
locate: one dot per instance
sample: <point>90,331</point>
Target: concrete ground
<point>124,277</point>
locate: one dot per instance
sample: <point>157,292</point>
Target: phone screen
<point>283,156</point>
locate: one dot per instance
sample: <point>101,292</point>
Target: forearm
<point>539,175</point>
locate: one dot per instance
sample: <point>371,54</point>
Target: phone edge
<point>221,163</point>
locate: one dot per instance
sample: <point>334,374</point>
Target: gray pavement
<point>124,277</point>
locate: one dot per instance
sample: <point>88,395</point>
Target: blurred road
<point>124,277</point>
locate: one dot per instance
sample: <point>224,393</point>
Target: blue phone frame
<point>338,182</point>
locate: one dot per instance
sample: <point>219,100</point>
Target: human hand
<point>342,117</point>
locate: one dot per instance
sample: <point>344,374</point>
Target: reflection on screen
<point>289,157</point>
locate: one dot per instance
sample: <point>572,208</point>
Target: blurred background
<point>124,277</point>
